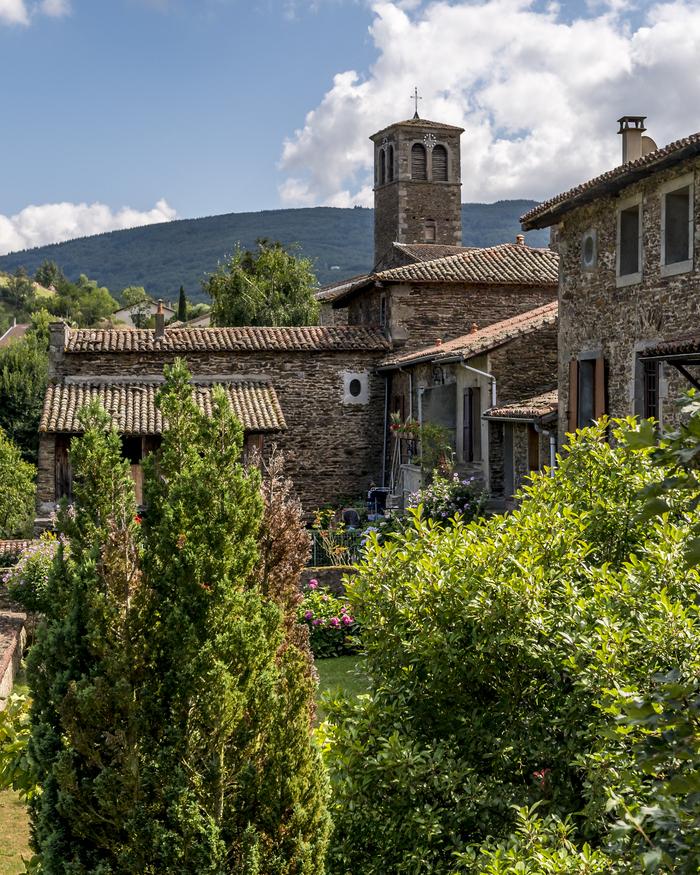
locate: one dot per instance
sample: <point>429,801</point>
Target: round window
<point>355,387</point>
<point>588,253</point>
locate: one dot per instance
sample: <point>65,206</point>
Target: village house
<point>324,394</point>
<point>629,294</point>
<point>313,391</point>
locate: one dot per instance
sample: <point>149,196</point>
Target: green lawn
<point>339,674</point>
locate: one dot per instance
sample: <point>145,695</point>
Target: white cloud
<point>52,223</point>
<point>13,12</point>
<point>55,8</point>
<point>538,94</point>
<point>22,11</point>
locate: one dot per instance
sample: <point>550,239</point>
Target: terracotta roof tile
<point>14,332</point>
<point>249,338</point>
<point>531,408</point>
<point>480,341</point>
<point>419,123</point>
<point>688,344</point>
<point>430,251</point>
<point>550,211</point>
<point>335,290</point>
<point>12,548</point>
<point>132,405</point>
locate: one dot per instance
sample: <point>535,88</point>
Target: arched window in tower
<point>440,164</point>
<point>418,162</point>
<point>390,164</point>
<point>382,166</point>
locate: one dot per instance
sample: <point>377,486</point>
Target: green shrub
<point>27,581</point>
<point>332,628</point>
<point>490,648</point>
<point>449,495</point>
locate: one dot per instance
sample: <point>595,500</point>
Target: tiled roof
<point>243,339</point>
<point>334,290</point>
<point>420,123</point>
<point>9,549</point>
<point>532,408</point>
<point>550,212</point>
<point>480,341</point>
<point>687,345</point>
<point>429,251</point>
<point>132,405</point>
<point>504,264</point>
<point>14,332</point>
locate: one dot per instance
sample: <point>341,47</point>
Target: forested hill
<point>163,257</point>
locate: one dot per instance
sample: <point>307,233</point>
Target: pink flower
<point>347,621</point>
<point>313,584</point>
<point>309,615</point>
<point>324,598</point>
<point>318,622</point>
<point>334,622</point>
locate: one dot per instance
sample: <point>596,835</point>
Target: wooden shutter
<point>600,406</point>
<point>440,164</point>
<point>573,395</point>
<point>533,448</point>
<point>418,162</point>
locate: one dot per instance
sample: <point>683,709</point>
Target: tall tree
<point>23,379</point>
<point>182,306</point>
<point>138,302</point>
<point>16,491</point>
<point>268,287</point>
<point>49,274</point>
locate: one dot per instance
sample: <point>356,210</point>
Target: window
<point>418,162</point>
<point>382,167</point>
<point>355,388</point>
<point>390,164</point>
<point>587,390</point>
<point>650,390</point>
<point>430,231</point>
<point>440,164</point>
<point>677,226</point>
<point>471,425</point>
<point>589,250</point>
<point>382,310</point>
<point>629,244</point>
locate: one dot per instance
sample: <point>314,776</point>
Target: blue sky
<point>122,112</point>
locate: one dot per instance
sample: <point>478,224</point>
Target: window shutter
<point>440,164</point>
<point>600,406</point>
<point>573,395</point>
<point>418,162</point>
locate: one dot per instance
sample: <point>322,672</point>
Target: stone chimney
<point>58,335</point>
<point>160,319</point>
<point>634,143</point>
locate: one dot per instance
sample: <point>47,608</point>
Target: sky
<point>115,113</point>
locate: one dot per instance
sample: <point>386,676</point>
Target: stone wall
<point>525,367</point>
<point>13,638</point>
<point>420,314</point>
<point>330,577</point>
<point>595,316</point>
<point>333,450</point>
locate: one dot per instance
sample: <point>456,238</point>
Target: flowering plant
<point>27,581</point>
<point>332,628</point>
<point>450,495</point>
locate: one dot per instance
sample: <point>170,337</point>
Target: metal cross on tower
<point>416,97</point>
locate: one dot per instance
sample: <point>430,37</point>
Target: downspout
<point>488,377</point>
<point>552,446</point>
<point>386,428</point>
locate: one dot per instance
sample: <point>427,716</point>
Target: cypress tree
<point>182,306</point>
<point>171,722</point>
<point>83,667</point>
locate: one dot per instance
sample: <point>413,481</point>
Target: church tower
<point>417,186</point>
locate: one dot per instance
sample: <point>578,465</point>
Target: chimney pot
<point>160,319</point>
<point>520,239</point>
<point>631,130</point>
<point>438,342</point>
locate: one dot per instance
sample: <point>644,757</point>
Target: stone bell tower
<point>417,186</point>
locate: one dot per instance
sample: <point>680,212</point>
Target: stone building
<point>629,293</point>
<point>462,386</point>
<point>313,391</point>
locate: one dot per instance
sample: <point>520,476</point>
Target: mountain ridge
<point>163,256</point>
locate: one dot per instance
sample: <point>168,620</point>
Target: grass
<point>339,673</point>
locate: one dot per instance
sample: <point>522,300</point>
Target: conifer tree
<point>182,306</point>
<point>82,670</point>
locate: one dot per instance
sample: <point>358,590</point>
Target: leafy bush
<point>491,647</point>
<point>27,581</point>
<point>16,490</point>
<point>332,628</point>
<point>449,495</point>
